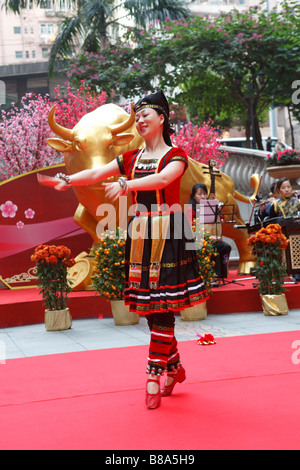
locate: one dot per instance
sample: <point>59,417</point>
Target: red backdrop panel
<point>31,214</point>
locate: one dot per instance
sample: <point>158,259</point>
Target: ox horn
<point>119,128</point>
<point>63,132</point>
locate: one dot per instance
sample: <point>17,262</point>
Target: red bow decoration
<point>206,340</point>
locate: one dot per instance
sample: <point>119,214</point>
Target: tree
<point>23,134</point>
<point>94,19</point>
<point>212,62</point>
<point>201,143</point>
<point>230,47</point>
<point>24,131</point>
<point>203,105</point>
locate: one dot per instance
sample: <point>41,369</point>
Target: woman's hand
<point>61,185</point>
<point>113,191</point>
<point>53,182</point>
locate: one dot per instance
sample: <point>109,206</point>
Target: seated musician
<point>287,205</point>
<point>265,207</point>
<point>198,193</point>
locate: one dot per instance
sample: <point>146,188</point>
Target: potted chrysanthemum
<point>268,245</point>
<point>109,277</point>
<point>52,267</point>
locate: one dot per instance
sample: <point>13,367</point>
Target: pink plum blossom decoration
<point>8,209</point>
<point>29,213</point>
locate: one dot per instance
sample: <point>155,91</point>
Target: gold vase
<point>195,313</point>
<point>274,304</point>
<point>121,314</point>
<point>57,320</point>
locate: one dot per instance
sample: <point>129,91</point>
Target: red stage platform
<point>25,306</point>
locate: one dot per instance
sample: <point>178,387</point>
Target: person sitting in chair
<point>287,205</point>
<point>199,192</point>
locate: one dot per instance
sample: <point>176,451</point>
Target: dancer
<point>287,205</point>
<point>162,272</point>
<point>198,193</point>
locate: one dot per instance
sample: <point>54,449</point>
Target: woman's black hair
<point>159,102</point>
<point>193,192</point>
<point>280,182</point>
<point>166,129</point>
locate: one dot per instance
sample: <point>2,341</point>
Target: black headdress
<point>159,102</point>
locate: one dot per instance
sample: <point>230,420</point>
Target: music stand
<point>210,216</point>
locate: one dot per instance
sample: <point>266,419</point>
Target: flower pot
<point>121,314</point>
<point>56,320</point>
<point>195,313</point>
<point>286,171</point>
<point>274,304</point>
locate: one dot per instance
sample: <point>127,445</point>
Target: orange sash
<point>159,231</point>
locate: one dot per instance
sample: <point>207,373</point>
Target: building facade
<point>214,7</point>
<point>28,37</point>
<point>25,44</point>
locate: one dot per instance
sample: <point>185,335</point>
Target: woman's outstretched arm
<point>91,176</point>
<point>148,183</point>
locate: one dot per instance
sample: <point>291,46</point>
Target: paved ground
<point>91,334</point>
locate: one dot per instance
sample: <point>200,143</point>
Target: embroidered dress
<point>162,272</point>
<point>285,207</point>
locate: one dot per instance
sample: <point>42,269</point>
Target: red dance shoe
<point>167,390</point>
<point>206,339</point>
<point>153,399</point>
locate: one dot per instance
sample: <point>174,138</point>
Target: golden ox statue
<point>109,131</point>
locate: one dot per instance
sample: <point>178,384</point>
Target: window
<point>47,29</point>
<point>17,29</point>
<point>27,54</point>
<point>19,54</point>
<point>46,4</point>
<point>45,52</point>
<point>65,5</point>
<point>33,54</point>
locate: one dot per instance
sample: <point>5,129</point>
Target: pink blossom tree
<point>76,104</point>
<point>201,143</point>
<point>24,131</point>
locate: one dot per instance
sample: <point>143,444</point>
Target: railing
<point>241,164</point>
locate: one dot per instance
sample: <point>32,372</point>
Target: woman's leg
<point>163,352</point>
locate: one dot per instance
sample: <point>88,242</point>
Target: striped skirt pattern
<point>180,286</point>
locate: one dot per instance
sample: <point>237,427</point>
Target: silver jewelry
<point>123,183</point>
<point>63,177</point>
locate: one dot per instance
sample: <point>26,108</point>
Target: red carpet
<point>242,393</point>
<point>25,306</point>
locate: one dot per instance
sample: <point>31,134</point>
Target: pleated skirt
<point>180,286</point>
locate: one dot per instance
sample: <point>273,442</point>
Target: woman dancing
<point>162,273</point>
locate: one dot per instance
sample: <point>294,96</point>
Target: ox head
<point>95,140</point>
<point>95,135</point>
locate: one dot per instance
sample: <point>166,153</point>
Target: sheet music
<point>209,210</point>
